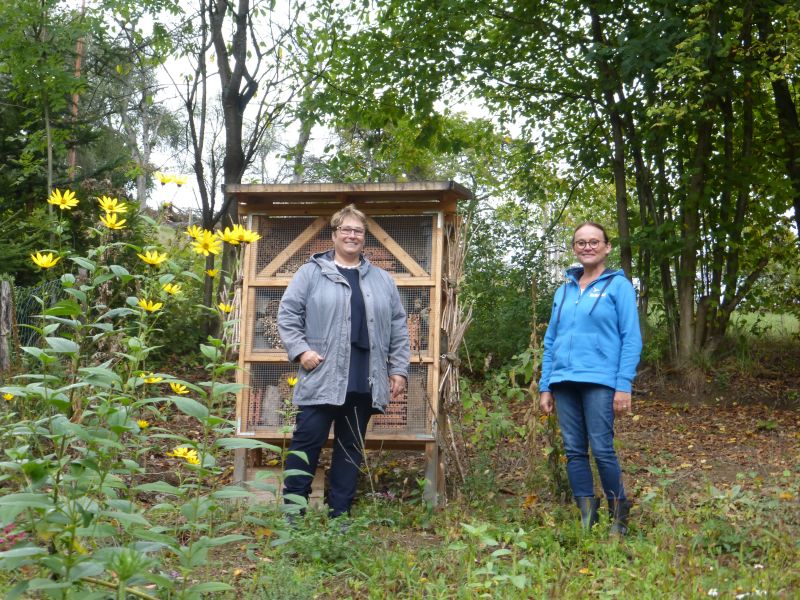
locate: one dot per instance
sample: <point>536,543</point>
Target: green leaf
<point>190,407</point>
<point>83,262</point>
<point>64,308</point>
<point>226,388</point>
<point>231,492</point>
<point>209,587</point>
<point>24,552</point>
<point>162,487</point>
<point>75,293</point>
<point>47,584</point>
<point>100,376</point>
<point>210,352</point>
<point>126,519</point>
<point>191,275</point>
<point>119,271</point>
<point>59,344</point>
<point>118,312</point>
<point>249,443</point>
<point>26,500</point>
<point>38,353</point>
<point>101,279</point>
<point>225,539</point>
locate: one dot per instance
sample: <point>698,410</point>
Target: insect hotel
<point>413,234</point>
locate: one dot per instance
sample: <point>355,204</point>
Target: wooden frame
<point>318,202</point>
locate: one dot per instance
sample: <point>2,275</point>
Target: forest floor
<point>715,476</point>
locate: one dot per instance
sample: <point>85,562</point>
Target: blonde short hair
<point>348,211</point>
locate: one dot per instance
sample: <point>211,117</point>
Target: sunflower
<point>67,200</point>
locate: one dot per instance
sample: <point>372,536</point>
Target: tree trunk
<point>787,115</point>
<point>608,82</point>
<point>6,324</point>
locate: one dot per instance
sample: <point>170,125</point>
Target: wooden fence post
<point>6,324</point>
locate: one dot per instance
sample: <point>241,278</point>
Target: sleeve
<point>630,336</point>
<point>399,344</point>
<point>292,314</point>
<point>549,338</point>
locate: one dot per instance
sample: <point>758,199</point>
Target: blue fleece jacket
<point>593,336</point>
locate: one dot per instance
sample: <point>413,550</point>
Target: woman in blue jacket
<point>591,350</point>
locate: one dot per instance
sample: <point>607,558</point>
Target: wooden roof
<point>434,194</point>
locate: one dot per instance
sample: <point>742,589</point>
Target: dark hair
<point>592,224</point>
<point>348,211</point>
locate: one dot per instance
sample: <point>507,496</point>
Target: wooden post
<point>6,324</point>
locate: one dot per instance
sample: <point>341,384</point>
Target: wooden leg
<point>432,474</point>
<point>243,459</point>
<point>239,465</point>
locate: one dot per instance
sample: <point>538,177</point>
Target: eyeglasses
<point>351,231</point>
<point>593,244</point>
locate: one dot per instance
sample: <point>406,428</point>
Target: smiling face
<point>348,240</point>
<point>595,246</point>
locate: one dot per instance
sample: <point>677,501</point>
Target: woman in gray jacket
<point>342,319</point>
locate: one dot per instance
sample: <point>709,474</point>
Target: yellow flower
<point>226,308</point>
<point>179,180</point>
<point>112,205</point>
<point>228,236</point>
<point>212,272</point>
<point>163,178</point>
<point>194,232</point>
<point>67,200</point>
<point>143,424</point>
<point>151,378</point>
<point>189,455</point>
<point>110,221</point>
<point>292,381</point>
<point>172,288</point>
<point>152,257</point>
<point>178,388</point>
<point>149,305</point>
<point>245,236</point>
<point>8,397</point>
<point>44,261</point>
<point>207,244</point>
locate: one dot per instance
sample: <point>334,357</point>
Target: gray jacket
<point>314,314</point>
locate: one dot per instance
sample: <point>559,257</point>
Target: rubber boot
<point>619,510</point>
<point>588,506</point>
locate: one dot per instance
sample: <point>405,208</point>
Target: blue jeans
<point>586,417</point>
<point>311,432</point>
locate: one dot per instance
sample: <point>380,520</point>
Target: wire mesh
<point>409,415</point>
<point>28,306</point>
<point>262,317</point>
<point>263,320</point>
<point>411,233</point>
<point>268,397</point>
<point>417,303</point>
<point>267,402</point>
<point>276,234</point>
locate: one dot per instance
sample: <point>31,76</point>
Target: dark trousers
<point>311,432</point>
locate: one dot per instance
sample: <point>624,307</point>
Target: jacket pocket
<point>561,352</point>
<point>319,345</point>
<point>587,353</point>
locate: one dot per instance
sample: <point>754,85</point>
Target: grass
<point>732,543</point>
<point>772,325</point>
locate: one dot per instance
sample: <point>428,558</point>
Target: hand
<point>622,403</point>
<point>546,402</point>
<point>397,387</point>
<point>310,360</point>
